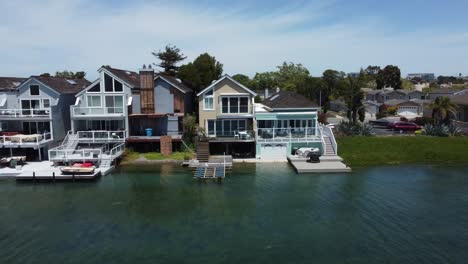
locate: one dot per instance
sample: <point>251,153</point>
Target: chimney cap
<point>147,68</point>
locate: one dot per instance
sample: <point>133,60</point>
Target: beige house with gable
<point>226,113</point>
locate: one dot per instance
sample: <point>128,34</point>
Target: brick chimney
<point>147,90</point>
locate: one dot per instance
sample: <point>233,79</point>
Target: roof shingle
<point>288,99</point>
<point>63,85</point>
<point>10,83</point>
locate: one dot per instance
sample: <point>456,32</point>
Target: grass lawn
<point>366,151</point>
<point>131,156</point>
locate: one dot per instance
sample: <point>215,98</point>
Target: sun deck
<point>45,170</point>
<point>25,141</point>
<point>328,164</point>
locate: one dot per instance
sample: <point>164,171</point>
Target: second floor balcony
<point>78,112</point>
<point>298,134</point>
<point>22,114</point>
<point>25,140</point>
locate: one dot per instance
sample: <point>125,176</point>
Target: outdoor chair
<point>236,134</point>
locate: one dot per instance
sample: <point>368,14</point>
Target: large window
<point>45,103</point>
<point>95,89</point>
<point>94,101</point>
<point>226,127</point>
<point>112,85</point>
<point>208,101</point>
<point>34,89</point>
<point>234,105</point>
<point>114,104</point>
<point>36,127</point>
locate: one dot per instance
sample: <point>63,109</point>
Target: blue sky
<point>246,36</point>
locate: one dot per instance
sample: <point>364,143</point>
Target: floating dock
<point>45,170</point>
<point>216,168</point>
<point>327,164</point>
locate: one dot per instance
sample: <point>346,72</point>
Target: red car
<point>405,126</point>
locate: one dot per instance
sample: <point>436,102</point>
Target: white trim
<point>114,76</point>
<point>204,103</point>
<point>32,78</point>
<point>230,78</point>
<point>85,90</point>
<point>170,83</point>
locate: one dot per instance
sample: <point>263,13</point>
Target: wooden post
<point>73,177</point>
<point>53,176</point>
<point>34,176</point>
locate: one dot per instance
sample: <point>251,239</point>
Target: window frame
<point>238,104</point>
<point>38,90</point>
<point>209,96</point>
<point>88,101</point>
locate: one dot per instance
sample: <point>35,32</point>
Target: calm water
<point>260,214</point>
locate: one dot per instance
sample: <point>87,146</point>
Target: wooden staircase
<point>329,150</point>
<point>203,151</point>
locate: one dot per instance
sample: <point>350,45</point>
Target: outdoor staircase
<point>106,163</point>
<point>329,150</point>
<point>72,142</point>
<point>203,151</point>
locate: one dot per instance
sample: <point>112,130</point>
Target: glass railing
<point>287,134</point>
<point>102,135</point>
<point>238,134</point>
<point>97,111</point>
<point>19,113</point>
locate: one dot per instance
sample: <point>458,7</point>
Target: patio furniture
<point>236,134</point>
<point>243,134</point>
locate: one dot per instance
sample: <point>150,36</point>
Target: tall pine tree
<point>169,58</point>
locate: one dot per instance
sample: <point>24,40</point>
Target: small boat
<point>19,160</point>
<point>77,170</point>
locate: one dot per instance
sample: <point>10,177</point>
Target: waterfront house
<point>35,113</point>
<point>125,106</point>
<point>286,121</point>
<point>226,117</point>
<point>159,105</point>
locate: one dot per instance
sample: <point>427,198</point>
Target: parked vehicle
<point>404,126</point>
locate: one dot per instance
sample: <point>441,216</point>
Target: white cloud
<point>45,36</point>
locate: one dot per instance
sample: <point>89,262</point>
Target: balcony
<point>102,112</point>
<point>301,134</point>
<point>23,114</point>
<point>101,136</point>
<point>22,140</point>
<point>232,136</point>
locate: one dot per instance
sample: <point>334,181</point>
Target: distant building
<point>354,74</point>
<point>428,77</point>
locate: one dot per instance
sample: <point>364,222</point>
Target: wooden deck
<point>328,164</point>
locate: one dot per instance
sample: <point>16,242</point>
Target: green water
<point>260,214</point>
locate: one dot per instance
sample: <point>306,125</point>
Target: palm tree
<point>443,109</point>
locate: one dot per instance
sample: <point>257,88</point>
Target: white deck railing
<point>329,132</point>
<point>61,154</point>
<point>100,136</point>
<point>287,134</point>
<point>117,150</point>
<point>24,113</point>
<point>77,111</point>
<point>25,140</point>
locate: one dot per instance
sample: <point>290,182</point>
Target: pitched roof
<point>394,102</point>
<point>444,91</point>
<point>288,99</point>
<point>174,82</point>
<point>63,85</point>
<point>130,77</point>
<point>229,78</point>
<point>460,99</point>
<point>10,83</point>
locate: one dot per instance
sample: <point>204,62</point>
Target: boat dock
<point>45,170</point>
<point>328,164</point>
<point>215,168</point>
